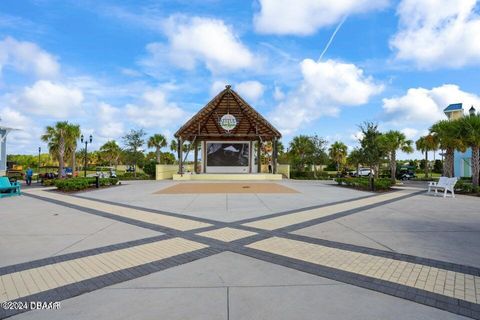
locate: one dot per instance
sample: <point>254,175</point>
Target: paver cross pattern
<point>447,286</point>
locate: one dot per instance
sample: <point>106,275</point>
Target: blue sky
<point>115,65</point>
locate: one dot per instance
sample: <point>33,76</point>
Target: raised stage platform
<point>227,176</point>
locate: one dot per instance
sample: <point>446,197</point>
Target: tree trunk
<point>135,163</point>
<point>74,162</point>
<point>448,163</point>
<point>393,166</point>
<point>61,155</point>
<point>475,165</point>
<point>426,164</point>
<point>158,155</point>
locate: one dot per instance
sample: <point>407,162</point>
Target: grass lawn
<point>430,175</point>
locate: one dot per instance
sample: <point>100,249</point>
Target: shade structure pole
<point>195,161</point>
<point>274,156</point>
<point>259,158</point>
<point>180,155</point>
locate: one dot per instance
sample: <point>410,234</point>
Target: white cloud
<point>410,133</point>
<point>49,99</point>
<point>356,136</point>
<point>19,141</point>
<point>251,91</point>
<point>155,111</point>
<point>217,86</point>
<point>110,124</point>
<point>194,40</point>
<point>326,87</point>
<point>420,105</point>
<point>278,94</point>
<point>304,17</point>
<point>27,57</point>
<point>441,33</point>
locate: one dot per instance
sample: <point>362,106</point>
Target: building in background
<point>463,160</point>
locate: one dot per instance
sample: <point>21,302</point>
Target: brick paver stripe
<point>448,283</point>
<point>136,214</point>
<point>307,215</point>
<point>27,282</point>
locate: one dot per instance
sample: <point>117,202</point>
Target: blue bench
<point>9,189</point>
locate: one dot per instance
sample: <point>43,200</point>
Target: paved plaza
<point>307,250</point>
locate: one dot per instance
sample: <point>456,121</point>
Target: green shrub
<point>72,184</point>
<point>49,182</point>
<point>301,175</point>
<point>76,184</point>
<point>364,183</point>
<point>131,176</point>
<point>465,186</point>
<point>310,175</point>
<point>150,168</point>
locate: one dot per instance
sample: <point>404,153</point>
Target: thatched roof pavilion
<point>227,118</point>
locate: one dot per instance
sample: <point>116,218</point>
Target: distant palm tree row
<point>63,136</point>
<point>375,147</point>
<point>304,151</point>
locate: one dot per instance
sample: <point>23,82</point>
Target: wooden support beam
<point>180,155</point>
<point>259,158</point>
<point>195,162</point>
<point>274,155</point>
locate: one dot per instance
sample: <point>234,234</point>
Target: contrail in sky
<point>332,37</point>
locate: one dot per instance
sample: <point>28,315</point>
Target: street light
<point>87,141</point>
<point>38,166</point>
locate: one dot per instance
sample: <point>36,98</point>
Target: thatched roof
<point>205,124</point>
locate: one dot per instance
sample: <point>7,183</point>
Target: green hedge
<point>75,184</point>
<point>309,175</point>
<point>364,183</point>
<point>131,176</point>
<point>464,186</point>
<point>150,168</point>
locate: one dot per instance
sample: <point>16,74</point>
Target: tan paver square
<point>227,234</point>
<point>307,215</point>
<point>23,283</point>
<point>182,224</point>
<point>417,275</point>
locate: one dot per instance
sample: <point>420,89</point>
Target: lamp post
<point>38,166</point>
<point>86,141</point>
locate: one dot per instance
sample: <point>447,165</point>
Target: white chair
<point>447,184</point>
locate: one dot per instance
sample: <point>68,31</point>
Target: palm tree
<point>338,153</point>
<point>111,151</point>
<point>301,148</point>
<point>173,145</point>
<point>59,140</point>
<point>425,144</point>
<point>421,145</point>
<point>448,135</point>
<point>470,131</point>
<point>73,134</point>
<point>392,141</point>
<point>158,142</point>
